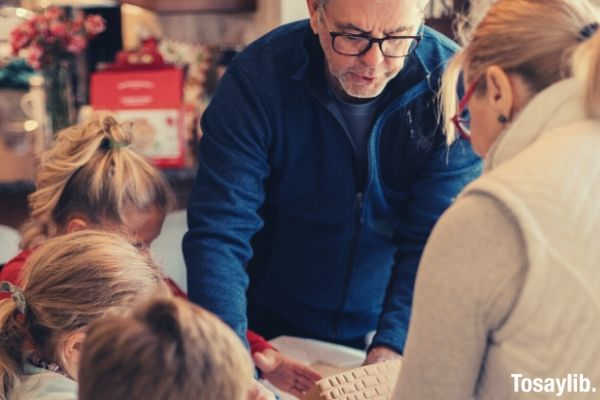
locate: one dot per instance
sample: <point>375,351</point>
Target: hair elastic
<point>16,294</point>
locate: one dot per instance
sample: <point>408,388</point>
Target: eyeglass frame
<point>379,41</point>
<point>462,105</point>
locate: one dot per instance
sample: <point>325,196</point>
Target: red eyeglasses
<point>463,124</point>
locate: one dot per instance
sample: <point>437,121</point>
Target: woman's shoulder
<point>41,384</point>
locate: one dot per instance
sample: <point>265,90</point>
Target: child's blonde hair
<point>533,38</point>
<point>68,282</point>
<point>168,349</point>
<point>92,170</point>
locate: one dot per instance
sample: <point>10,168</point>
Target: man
<point>321,173</point>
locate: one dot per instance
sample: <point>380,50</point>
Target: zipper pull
<point>359,201</point>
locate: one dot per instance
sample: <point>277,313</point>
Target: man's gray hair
<point>322,3</point>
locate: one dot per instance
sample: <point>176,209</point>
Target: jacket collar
<point>555,106</point>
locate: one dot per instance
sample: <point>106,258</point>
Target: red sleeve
<point>257,342</point>
<point>175,289</point>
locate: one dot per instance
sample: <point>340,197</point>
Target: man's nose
<point>373,56</point>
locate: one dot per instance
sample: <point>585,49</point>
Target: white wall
<point>293,10</point>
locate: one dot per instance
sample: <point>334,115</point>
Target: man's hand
<point>259,392</point>
<point>285,373</point>
<point>381,353</point>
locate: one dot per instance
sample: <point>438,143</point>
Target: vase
<point>60,97</point>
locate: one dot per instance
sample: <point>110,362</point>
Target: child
<point>91,178</point>
<point>67,283</point>
<point>168,349</point>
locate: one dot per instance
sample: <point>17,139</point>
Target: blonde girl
<point>92,178</point>
<point>167,349</point>
<point>69,282</point>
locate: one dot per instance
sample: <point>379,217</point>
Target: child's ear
<point>71,352</point>
<point>76,224</point>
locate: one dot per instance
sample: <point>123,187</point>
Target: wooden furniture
<point>197,6</point>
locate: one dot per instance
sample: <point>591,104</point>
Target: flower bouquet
<point>48,42</point>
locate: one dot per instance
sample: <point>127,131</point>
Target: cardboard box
<point>151,101</point>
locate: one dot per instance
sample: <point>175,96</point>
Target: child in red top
<point>91,178</point>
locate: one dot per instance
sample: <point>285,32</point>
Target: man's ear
<point>76,224</point>
<point>313,11</point>
<point>500,94</point>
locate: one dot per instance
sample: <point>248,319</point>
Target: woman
<point>506,300</point>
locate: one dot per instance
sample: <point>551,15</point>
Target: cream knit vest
<point>546,170</point>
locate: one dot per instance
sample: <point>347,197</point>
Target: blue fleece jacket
<point>281,223</point>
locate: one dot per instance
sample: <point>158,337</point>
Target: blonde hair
<point>168,349</point>
<point>535,39</point>
<point>68,282</point>
<point>92,170</point>
<point>586,68</point>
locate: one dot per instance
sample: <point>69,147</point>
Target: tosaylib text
<point>572,383</point>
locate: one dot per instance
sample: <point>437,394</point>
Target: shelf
<point>194,6</point>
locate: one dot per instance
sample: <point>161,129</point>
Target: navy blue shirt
<point>358,119</point>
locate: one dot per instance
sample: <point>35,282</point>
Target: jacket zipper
<point>359,219</point>
<point>357,227</point>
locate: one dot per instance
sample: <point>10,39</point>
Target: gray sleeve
<point>469,279</point>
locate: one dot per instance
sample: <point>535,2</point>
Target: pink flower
<point>77,24</point>
<point>34,56</point>
<point>41,24</point>
<point>21,36</point>
<point>94,24</point>
<point>17,41</point>
<point>58,29</point>
<point>53,13</point>
<point>76,44</point>
<point>52,33</point>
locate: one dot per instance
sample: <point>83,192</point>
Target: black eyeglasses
<point>349,44</point>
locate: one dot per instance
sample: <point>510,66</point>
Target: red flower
<point>77,24</point>
<point>21,36</point>
<point>76,44</point>
<point>94,24</point>
<point>34,56</point>
<point>53,13</point>
<point>48,36</point>
<point>41,24</point>
<point>58,29</point>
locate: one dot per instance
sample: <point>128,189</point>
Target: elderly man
<point>321,173</point>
